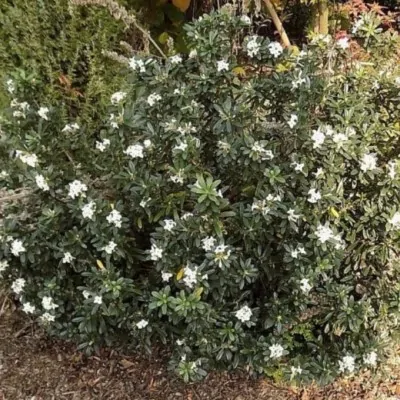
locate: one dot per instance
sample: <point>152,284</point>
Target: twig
<point>277,22</point>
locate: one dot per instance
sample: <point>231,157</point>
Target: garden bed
<point>36,368</point>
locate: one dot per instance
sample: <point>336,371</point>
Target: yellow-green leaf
<point>180,273</point>
<point>100,264</point>
<point>183,5</point>
<point>333,212</point>
<point>163,38</point>
<point>239,71</point>
<point>198,292</point>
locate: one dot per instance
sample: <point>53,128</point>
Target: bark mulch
<point>34,367</point>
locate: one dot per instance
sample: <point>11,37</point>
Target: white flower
<point>208,243</point>
<point>17,247</point>
<point>292,216</point>
<point>178,178</point>
<point>245,19</point>
<point>76,188</point>
<point>339,138</point>
<point>180,342</point>
<point>117,97</point>
<point>222,66</point>
<point>147,143</point>
<point>169,225</point>
<point>275,49</point>
<point>28,159</point>
<point>253,47</point>
<point>314,196</point>
<point>343,43</point>
<point>166,276</point>
<point>142,324</point>
<point>3,265</point>
<point>10,86</point>
<point>318,138</point>
<point>47,317</point>
<point>113,121</point>
<point>368,162</point>
<point>395,220</point>
<point>144,202</point>
<point>41,183</point>
<point>43,111</point>
<point>86,294</point>
<point>98,300</point>
<point>153,99</point>
<point>182,146</point>
<point>18,285</point>
<point>244,314</point>
<point>276,351</point>
<point>260,205</point>
<point>68,258</point>
<point>298,166</point>
<point>324,233</point>
<point>187,215</point>
<point>88,210</point>
<point>136,64</point>
<point>298,82</point>
<point>319,172</point>
<point>259,149</point>
<point>295,371</point>
<point>190,276</point>
<point>28,308</point>
<point>48,303</point>
<point>347,363</point>
<point>4,174</point>
<point>115,218</point>
<point>193,53</point>
<point>371,358</point>
<point>392,165</point>
<point>103,144</point>
<point>111,246</point>
<point>293,121</point>
<point>135,151</point>
<point>221,253</point>
<point>70,128</point>
<point>177,59</point>
<point>357,25</point>
<point>305,285</point>
<point>155,252</point>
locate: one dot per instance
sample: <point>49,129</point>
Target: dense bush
<point>241,203</point>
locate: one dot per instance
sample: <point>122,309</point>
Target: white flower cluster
<point>48,303</point>
<point>142,324</point>
<point>137,64</point>
<point>153,99</point>
<point>110,247</point>
<point>253,46</point>
<point>244,314</point>
<point>293,121</point>
<point>3,266</point>
<point>70,128</point>
<point>18,285</point>
<point>41,183</point>
<point>20,108</point>
<point>259,150</point>
<point>135,151</point>
<point>156,252</point>
<point>176,59</point>
<point>26,158</point>
<point>103,144</point>
<point>368,162</point>
<point>68,258</point>
<point>261,206</point>
<point>395,221</point>
<point>275,49</point>
<point>222,66</point>
<point>276,351</point>
<point>169,225</point>
<point>115,218</point>
<point>42,112</point>
<point>314,196</point>
<point>17,247</point>
<point>77,188</point>
<point>88,210</point>
<point>221,253</point>
<point>190,276</point>
<point>347,363</point>
<point>117,97</point>
<point>208,243</point>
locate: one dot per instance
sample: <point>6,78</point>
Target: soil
<point>34,367</point>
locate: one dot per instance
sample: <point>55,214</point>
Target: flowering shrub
<point>240,203</point>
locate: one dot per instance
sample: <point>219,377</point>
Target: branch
<point>277,22</point>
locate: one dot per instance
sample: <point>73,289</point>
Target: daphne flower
<point>178,178</point>
<point>295,371</point>
<point>177,59</point>
<point>319,172</point>
<point>111,246</point>
<point>142,324</point>
<point>275,49</point>
<point>70,128</point>
<point>253,47</point>
<point>117,97</point>
<point>4,174</point>
<point>193,53</point>
<point>293,121</point>
<point>153,99</point>
<point>144,202</point>
<point>28,159</point>
<point>169,225</point>
<point>41,183</point>
<point>180,342</point>
<point>68,258</point>
<point>244,314</point>
<point>86,294</point>
<point>370,358</point>
<point>42,112</point>
<point>260,205</point>
<point>305,285</point>
<point>190,276</point>
<point>343,43</point>
<point>103,144</point>
<point>155,252</point>
<point>357,25</point>
<point>314,196</point>
<point>10,86</point>
<point>395,220</point>
<point>292,216</point>
<point>187,215</point>
<point>47,318</point>
<point>245,19</point>
<point>182,146</point>
<point>48,303</point>
<point>298,166</point>
<point>347,364</point>
<point>221,253</point>
<point>368,162</point>
<point>208,243</point>
<point>135,151</point>
<point>222,66</point>
<point>147,143</point>
<point>113,121</point>
<point>392,169</point>
<point>318,138</point>
<point>18,285</point>
<point>166,276</point>
<point>28,308</point>
<point>324,233</point>
<point>115,218</point>
<point>276,351</point>
<point>137,65</point>
<point>88,210</point>
<point>17,247</point>
<point>98,300</point>
<point>77,188</point>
